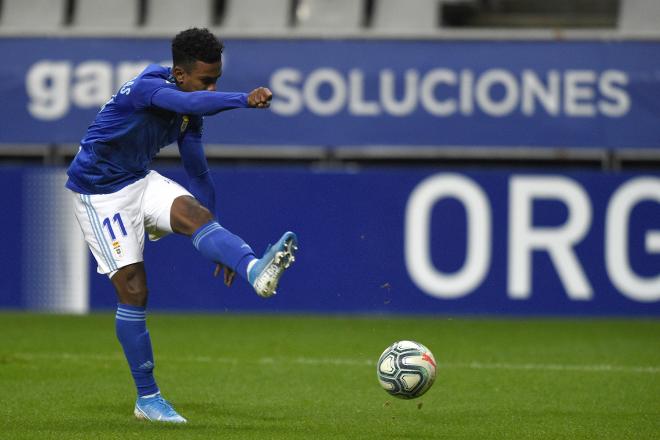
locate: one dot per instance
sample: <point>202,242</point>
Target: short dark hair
<point>194,45</point>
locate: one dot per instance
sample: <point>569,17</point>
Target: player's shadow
<point>108,420</point>
<point>231,412</point>
<point>254,419</point>
<point>111,418</point>
<point>115,417</point>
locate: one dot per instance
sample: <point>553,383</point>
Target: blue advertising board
<point>407,241</point>
<point>390,241</point>
<point>361,92</point>
<point>11,258</point>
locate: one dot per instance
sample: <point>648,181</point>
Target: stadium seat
<point>174,15</point>
<point>273,15</point>
<point>639,16</point>
<point>330,14</point>
<point>411,15</point>
<point>20,14</point>
<point>104,15</point>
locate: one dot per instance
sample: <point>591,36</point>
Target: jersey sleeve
<point>196,125</point>
<point>201,103</point>
<point>142,91</point>
<point>201,184</point>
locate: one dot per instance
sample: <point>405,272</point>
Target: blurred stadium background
<point>454,156</point>
<point>439,160</point>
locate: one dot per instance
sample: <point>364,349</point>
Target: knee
<point>130,283</point>
<point>197,217</point>
<point>202,215</point>
<point>136,291</point>
<point>134,296</point>
<point>188,215</point>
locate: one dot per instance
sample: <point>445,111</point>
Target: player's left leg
<point>130,283</point>
<point>117,243</point>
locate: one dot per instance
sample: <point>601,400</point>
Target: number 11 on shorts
<point>117,219</point>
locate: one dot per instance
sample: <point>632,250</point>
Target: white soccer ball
<point>406,369</point>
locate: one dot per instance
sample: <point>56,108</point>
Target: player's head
<point>196,57</point>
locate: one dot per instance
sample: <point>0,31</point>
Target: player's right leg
<point>265,274</point>
<point>218,244</point>
<point>170,208</point>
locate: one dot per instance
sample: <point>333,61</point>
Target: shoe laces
<point>161,402</point>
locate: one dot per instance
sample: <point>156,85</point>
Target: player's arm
<point>209,103</point>
<point>201,184</point>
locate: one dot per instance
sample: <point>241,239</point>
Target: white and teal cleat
<point>157,409</point>
<point>264,275</point>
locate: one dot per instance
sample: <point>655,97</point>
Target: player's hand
<point>228,274</point>
<point>260,98</point>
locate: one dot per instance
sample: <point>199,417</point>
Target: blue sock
<point>131,327</point>
<point>221,246</point>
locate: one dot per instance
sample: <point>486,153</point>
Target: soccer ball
<point>406,369</point>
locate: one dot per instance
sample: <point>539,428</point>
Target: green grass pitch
<point>298,377</point>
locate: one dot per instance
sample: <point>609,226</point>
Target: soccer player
<point>117,197</point>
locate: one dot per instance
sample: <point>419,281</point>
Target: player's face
<point>202,76</point>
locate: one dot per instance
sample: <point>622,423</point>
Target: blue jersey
<point>147,113</point>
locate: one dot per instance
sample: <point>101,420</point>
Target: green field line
<point>474,365</point>
<point>314,377</point>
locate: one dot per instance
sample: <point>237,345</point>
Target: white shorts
<point>114,224</point>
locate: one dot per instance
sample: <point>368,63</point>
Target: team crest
<point>184,123</point>
<point>117,248</point>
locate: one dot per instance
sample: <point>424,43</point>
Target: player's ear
<point>179,74</point>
